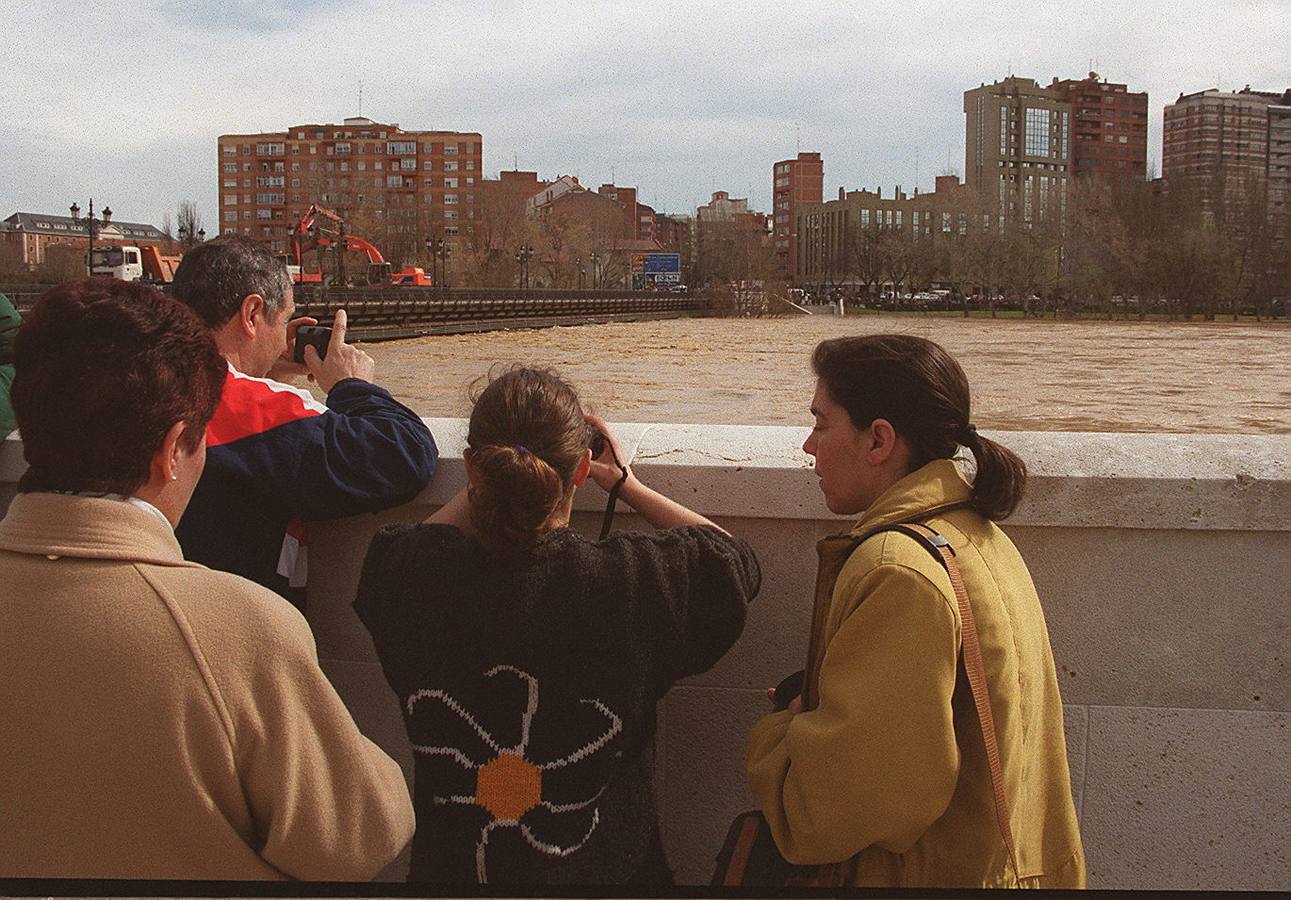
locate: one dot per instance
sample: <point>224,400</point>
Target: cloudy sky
<point>123,102</point>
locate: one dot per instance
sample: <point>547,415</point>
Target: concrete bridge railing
<point>1164,563</point>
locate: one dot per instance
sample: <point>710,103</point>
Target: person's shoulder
<point>423,537</point>
<point>226,611</point>
<point>894,555</point>
<point>252,406</point>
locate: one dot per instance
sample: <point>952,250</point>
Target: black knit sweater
<point>528,688</point>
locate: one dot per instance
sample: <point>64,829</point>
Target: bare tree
<point>188,220</point>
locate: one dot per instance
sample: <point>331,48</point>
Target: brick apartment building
<point>828,232</point>
<point>794,182</point>
<point>1109,128</point>
<point>393,186</point>
<point>1017,148</point>
<point>1227,140</point>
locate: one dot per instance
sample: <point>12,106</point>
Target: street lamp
<point>444,249</point>
<point>438,251</point>
<point>579,262</point>
<point>188,239</point>
<point>596,270</point>
<point>523,255</point>
<point>91,226</point>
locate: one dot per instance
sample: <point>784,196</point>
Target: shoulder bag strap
<point>976,670</point>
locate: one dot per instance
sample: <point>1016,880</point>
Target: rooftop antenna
<point>360,98</point>
<point>916,170</point>
<point>515,161</point>
<point>797,139</point>
<point>611,175</point>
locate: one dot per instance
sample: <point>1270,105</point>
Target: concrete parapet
<point>1164,564</point>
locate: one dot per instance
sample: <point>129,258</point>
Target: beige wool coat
<point>886,775</point>
<point>162,720</point>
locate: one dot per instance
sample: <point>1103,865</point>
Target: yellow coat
<point>887,774</point>
<point>162,720</point>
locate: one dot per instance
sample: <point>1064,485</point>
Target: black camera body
<point>596,442</point>
<point>316,336</point>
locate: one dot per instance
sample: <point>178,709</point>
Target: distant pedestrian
<point>278,457</point>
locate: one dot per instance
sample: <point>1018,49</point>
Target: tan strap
<point>976,670</point>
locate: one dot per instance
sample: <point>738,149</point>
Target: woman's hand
<point>603,471</point>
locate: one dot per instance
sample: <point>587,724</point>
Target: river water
<point>1025,375</point>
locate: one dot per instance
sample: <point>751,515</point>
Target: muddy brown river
<point>1025,375</point>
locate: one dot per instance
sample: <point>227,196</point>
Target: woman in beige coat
<point>878,775</point>
<point>157,719</point>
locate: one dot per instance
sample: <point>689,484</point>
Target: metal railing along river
<point>386,312</point>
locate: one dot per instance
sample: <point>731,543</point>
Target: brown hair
<point>527,435</point>
<point>920,388</point>
<point>104,368</point>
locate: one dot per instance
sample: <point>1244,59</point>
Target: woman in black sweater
<point>528,659</point>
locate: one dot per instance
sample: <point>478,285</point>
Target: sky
<point>124,103</point>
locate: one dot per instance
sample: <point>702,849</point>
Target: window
<point>470,165</point>
<point>450,167</point>
<point>313,149</point>
<point>1037,132</point>
<point>865,217</point>
<point>270,197</point>
<point>229,150</point>
<point>270,181</point>
<point>230,199</point>
<point>246,149</point>
<point>345,166</point>
<point>450,231</point>
<point>394,181</point>
<point>400,148</point>
<point>428,165</point>
<point>230,167</point>
<point>450,214</point>
<point>230,182</point>
<point>246,182</point>
<point>269,149</point>
<point>246,214</point>
<point>408,164</point>
<point>295,150</point>
<point>450,149</point>
<point>470,180</point>
<point>450,182</point>
<point>342,149</point>
<point>378,165</point>
<point>231,215</point>
<point>470,148</point>
<point>450,198</point>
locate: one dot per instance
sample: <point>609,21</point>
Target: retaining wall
<point>1164,564</point>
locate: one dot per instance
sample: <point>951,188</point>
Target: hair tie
<point>969,433</point>
<point>522,449</point>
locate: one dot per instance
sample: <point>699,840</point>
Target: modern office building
<point>395,187</point>
<point>794,183</point>
<point>1017,148</point>
<point>1109,128</point>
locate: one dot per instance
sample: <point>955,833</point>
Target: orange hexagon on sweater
<point>508,786</point>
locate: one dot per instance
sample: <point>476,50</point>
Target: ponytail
<point>514,497</point>
<point>1000,481</point>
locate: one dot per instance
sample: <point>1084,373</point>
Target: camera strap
<point>613,500</point>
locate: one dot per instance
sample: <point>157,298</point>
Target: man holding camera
<point>276,457</point>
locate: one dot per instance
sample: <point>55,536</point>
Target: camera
<point>596,442</point>
<point>316,336</point>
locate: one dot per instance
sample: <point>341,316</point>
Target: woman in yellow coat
<point>879,774</point>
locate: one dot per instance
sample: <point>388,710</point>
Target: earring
<point>174,477</point>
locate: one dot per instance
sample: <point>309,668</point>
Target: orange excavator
<point>310,234</point>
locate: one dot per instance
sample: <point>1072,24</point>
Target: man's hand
<point>343,360</point>
<point>286,365</point>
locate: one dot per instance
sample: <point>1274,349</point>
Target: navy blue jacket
<point>277,458</point>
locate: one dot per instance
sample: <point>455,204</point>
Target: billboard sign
<point>663,264</point>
